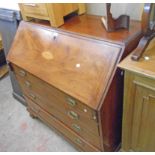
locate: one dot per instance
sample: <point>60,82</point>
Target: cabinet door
<point>139,115</point>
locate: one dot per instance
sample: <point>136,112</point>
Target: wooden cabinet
<point>139,102</point>
<point>54,12</point>
<point>70,79</point>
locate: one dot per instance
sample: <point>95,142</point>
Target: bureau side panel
<point>111,114</point>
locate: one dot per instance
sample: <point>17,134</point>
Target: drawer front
<point>75,125</point>
<point>69,116</point>
<point>56,98</point>
<point>35,9</point>
<point>53,122</point>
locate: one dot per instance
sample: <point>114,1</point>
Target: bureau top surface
<point>91,25</point>
<point>145,65</point>
<point>79,66</point>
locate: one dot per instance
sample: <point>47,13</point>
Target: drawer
<point>78,141</point>
<point>59,106</point>
<point>35,9</point>
<point>38,86</point>
<point>56,98</point>
<point>75,125</point>
<point>66,114</point>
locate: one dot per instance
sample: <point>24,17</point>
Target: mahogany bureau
<point>70,79</point>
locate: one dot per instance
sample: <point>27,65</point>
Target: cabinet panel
<point>138,115</point>
<point>144,109</point>
<point>147,137</point>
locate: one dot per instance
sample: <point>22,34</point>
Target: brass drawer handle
<point>22,73</point>
<point>27,84</point>
<point>73,115</point>
<point>71,101</point>
<point>31,4</point>
<point>78,141</point>
<point>76,127</point>
<point>32,96</point>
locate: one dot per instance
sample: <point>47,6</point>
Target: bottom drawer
<point>51,121</point>
<point>82,131</point>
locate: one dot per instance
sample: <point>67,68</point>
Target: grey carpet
<point>19,132</point>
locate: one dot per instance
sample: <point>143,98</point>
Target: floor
<point>19,132</point>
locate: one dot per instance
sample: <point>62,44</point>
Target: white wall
<point>12,5</point>
<point>134,10</point>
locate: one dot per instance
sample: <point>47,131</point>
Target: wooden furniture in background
<point>139,102</point>
<point>148,31</point>
<point>112,24</point>
<point>53,12</point>
<point>70,79</point>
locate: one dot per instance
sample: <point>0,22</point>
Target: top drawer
<point>35,9</point>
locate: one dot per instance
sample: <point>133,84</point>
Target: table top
<point>91,25</point>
